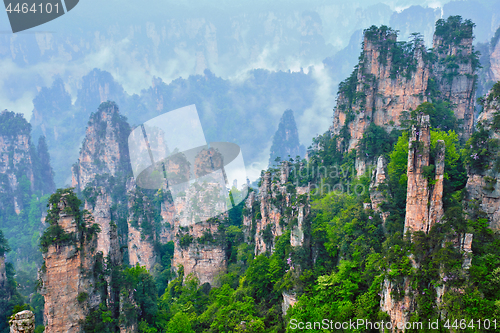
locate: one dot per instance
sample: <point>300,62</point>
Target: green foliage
<point>348,89</point>
<point>453,29</point>
<point>429,172</point>
<point>179,323</point>
<point>480,149</point>
<point>399,159</point>
<point>376,141</point>
<point>82,297</point>
<point>4,245</point>
<point>495,93</point>
<point>13,124</point>
<point>55,234</point>
<point>185,240</point>
<point>99,320</point>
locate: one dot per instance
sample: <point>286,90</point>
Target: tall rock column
<point>455,67</point>
<point>424,204</point>
<point>64,276</point>
<point>424,208</point>
<point>104,148</point>
<point>101,169</point>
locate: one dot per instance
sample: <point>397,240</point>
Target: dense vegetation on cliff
<point>26,181</point>
<point>350,251</point>
<point>330,251</point>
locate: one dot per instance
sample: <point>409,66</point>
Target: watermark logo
<point>26,14</point>
<point>170,152</point>
<point>340,179</point>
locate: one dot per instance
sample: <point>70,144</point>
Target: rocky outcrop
<point>289,299</point>
<point>107,239</point>
<point>98,87</point>
<point>16,158</point>
<point>104,149</point>
<point>424,208</point>
<point>279,206</point>
<point>454,73</point>
<point>141,231</point>
<point>199,243</point>
<point>483,186</point>
<point>286,140</point>
<point>101,171</point>
<point>424,203</point>
<point>268,227</point>
<point>400,308</point>
<point>22,322</point>
<point>377,195</point>
<point>494,74</point>
<point>377,91</point>
<point>64,276</point>
<point>200,250</point>
<point>393,78</point>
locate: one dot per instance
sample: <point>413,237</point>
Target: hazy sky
<point>137,40</point>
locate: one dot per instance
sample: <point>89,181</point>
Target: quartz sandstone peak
<point>483,185</point>
<point>424,202</point>
<point>393,78</point>
<point>64,278</point>
<point>104,148</point>
<point>19,162</point>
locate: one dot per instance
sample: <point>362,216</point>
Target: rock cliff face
<point>21,162</point>
<point>141,234</point>
<point>424,208</point>
<point>199,250</point>
<point>424,203</point>
<point>100,174</point>
<point>377,196</point>
<point>64,275</point>
<point>279,204</point>
<point>455,78</point>
<point>393,78</point>
<point>199,245</point>
<point>494,74</point>
<point>399,310</point>
<point>378,91</point>
<point>104,149</point>
<point>482,185</point>
<point>107,240</point>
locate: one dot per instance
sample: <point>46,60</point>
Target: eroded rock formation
<point>199,244</point>
<point>377,195</point>
<point>286,140</point>
<point>393,78</point>
<point>424,203</point>
<point>104,149</point>
<point>482,185</point>
<point>141,231</point>
<point>279,205</point>
<point>18,161</point>
<point>67,288</point>
<point>22,322</point>
<point>424,208</point>
<point>456,82</point>
<point>379,92</point>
